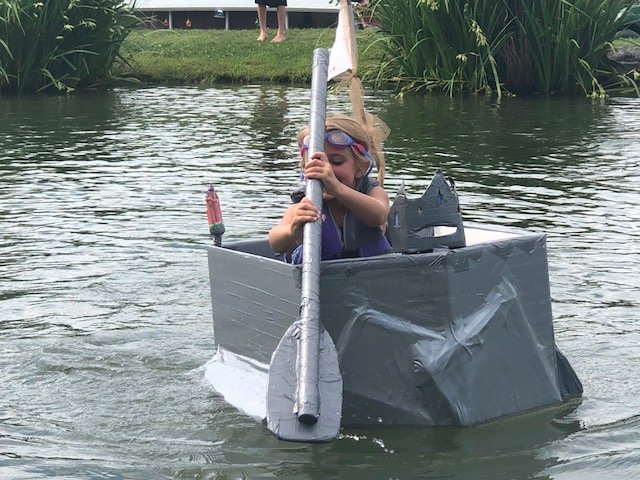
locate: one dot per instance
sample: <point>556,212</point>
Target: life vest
<point>357,239</point>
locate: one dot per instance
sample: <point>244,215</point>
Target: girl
<point>355,207</point>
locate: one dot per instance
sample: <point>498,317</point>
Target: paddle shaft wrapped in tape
<point>304,387</point>
<point>307,403</point>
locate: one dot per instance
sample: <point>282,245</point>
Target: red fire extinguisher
<point>214,215</point>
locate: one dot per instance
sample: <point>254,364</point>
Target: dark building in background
<point>232,14</point>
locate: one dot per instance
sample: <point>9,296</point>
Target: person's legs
<point>262,21</point>
<point>282,15</point>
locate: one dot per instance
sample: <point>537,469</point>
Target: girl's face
<point>344,164</point>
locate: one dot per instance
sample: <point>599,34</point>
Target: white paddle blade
<point>282,419</point>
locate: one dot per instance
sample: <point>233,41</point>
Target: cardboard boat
<point>451,329</point>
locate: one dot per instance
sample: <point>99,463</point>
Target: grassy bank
<point>213,56</point>
<point>171,57</point>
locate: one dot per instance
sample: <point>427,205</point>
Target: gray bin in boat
<point>448,337</point>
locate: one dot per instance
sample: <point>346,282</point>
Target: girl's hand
<point>289,232</point>
<point>303,212</point>
<point>318,167</point>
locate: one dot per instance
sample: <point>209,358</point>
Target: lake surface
<point>105,315</point>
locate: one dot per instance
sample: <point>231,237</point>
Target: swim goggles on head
<point>338,138</point>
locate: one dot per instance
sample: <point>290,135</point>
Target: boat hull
<point>450,337</point>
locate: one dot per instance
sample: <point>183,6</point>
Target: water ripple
<point>104,296</point>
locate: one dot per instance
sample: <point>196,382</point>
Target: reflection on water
<point>105,319</point>
<point>267,124</point>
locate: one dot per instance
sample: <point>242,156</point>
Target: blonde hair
<point>355,130</point>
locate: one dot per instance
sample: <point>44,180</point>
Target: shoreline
<point>235,57</point>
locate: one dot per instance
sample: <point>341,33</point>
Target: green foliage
<point>441,45</point>
<point>485,46</point>
<point>60,44</point>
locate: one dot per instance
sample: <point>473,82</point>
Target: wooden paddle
<point>304,389</point>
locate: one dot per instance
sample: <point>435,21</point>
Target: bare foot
<point>262,37</point>
<point>279,38</point>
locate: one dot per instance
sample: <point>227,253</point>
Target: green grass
<point>215,56</point>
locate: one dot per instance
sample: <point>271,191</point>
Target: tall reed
<point>60,44</point>
<point>485,46</point>
<point>446,45</point>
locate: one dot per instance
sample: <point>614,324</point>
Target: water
<point>105,316</point>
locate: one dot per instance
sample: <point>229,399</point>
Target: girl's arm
<point>372,207</point>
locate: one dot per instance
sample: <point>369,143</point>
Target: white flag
<point>343,56</point>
